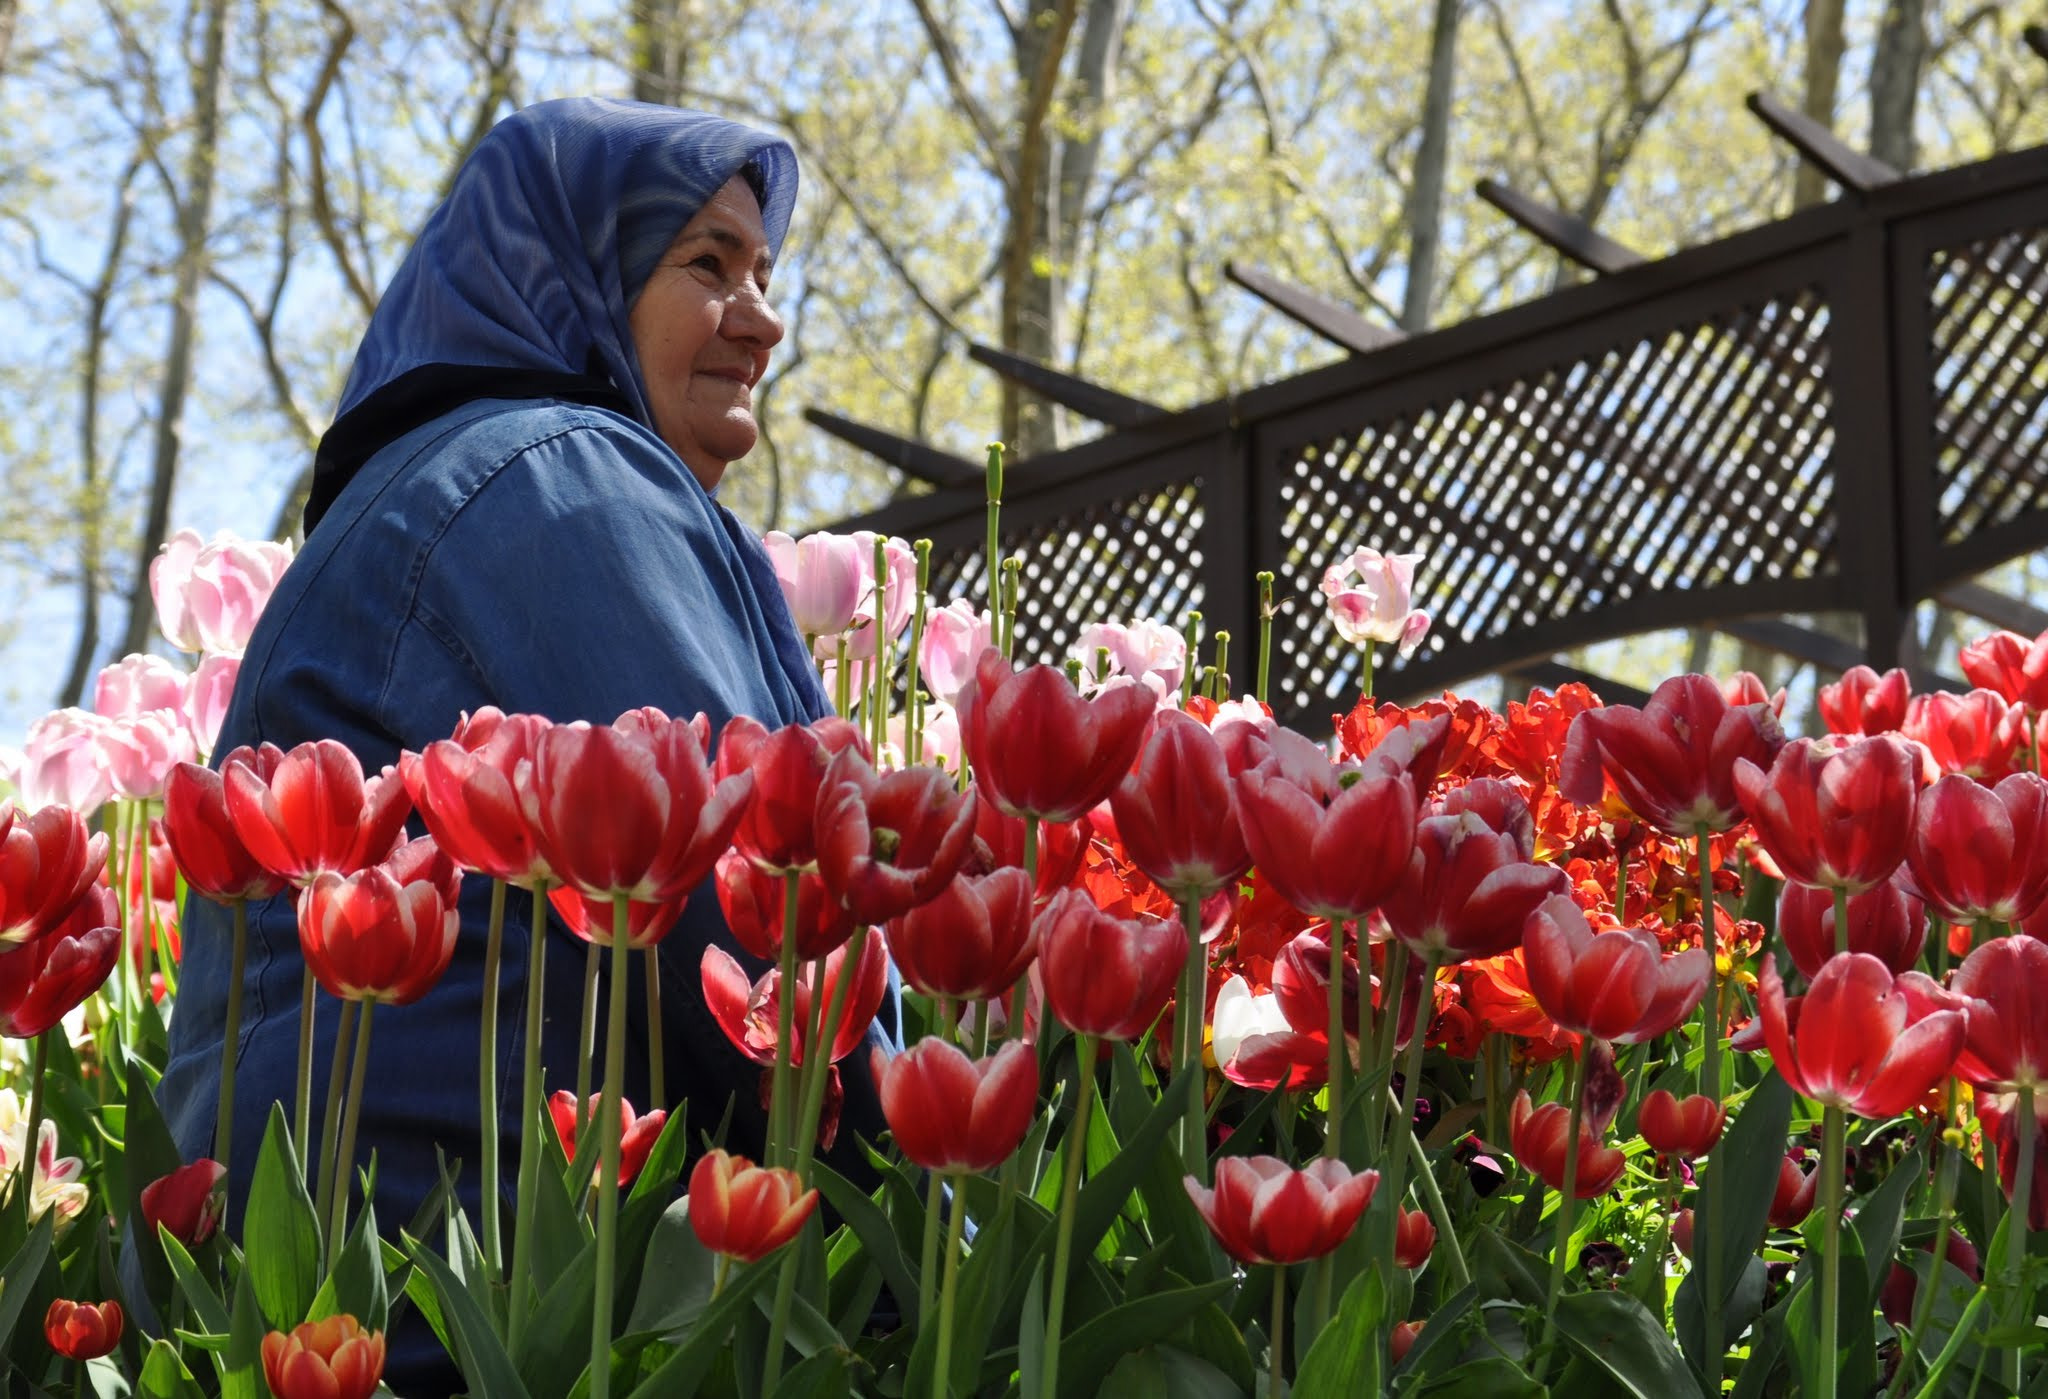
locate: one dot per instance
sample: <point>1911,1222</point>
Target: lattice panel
<point>1989,304</point>
<point>1690,458</point>
<point>1116,560</point>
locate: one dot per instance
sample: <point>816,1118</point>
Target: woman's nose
<point>750,318</point>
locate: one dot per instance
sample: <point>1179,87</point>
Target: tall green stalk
<point>1276,1351</point>
<point>913,704</point>
<point>302,1104</point>
<point>1841,921</point>
<point>657,1052</point>
<point>1070,1186</point>
<point>488,1124</point>
<point>1191,638</point>
<point>1710,1084</point>
<point>1187,1026</point>
<point>586,1029</point>
<point>1832,1128</point>
<point>992,559</point>
<point>1397,1168</point>
<point>608,1152</point>
<point>530,1142</point>
<point>330,1112</point>
<point>955,1228</point>
<point>1575,1088</point>
<point>231,1036</point>
<point>1333,1122</point>
<point>2017,1224</point>
<point>782,1102</point>
<point>1265,632</point>
<point>345,1154</point>
<point>31,1148</point>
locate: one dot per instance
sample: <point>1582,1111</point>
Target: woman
<point>514,508</point>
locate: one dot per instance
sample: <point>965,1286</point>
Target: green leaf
<point>877,1238</point>
<point>664,1165</point>
<point>1617,1333</point>
<point>18,1279</point>
<point>823,1376</point>
<point>241,1366</point>
<point>211,1311</point>
<point>1031,1336</point>
<point>284,1267</point>
<point>485,1365</point>
<point>1490,1377</point>
<point>676,1279</point>
<point>1505,1270</point>
<point>1878,1222</point>
<point>1345,1359</point>
<point>1171,1218</point>
<point>1744,1172</point>
<point>147,1154</point>
<point>678,1376</point>
<point>164,1375</point>
<point>1102,1340</point>
<point>357,1285</point>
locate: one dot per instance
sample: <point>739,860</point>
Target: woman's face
<point>703,328</point>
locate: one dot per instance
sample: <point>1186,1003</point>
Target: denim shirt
<point>544,558</point>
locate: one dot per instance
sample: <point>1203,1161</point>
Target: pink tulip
<point>137,684</point>
<point>209,595</point>
<point>821,579</point>
<point>64,764</point>
<point>1380,605</point>
<point>1149,652</point>
<point>141,751</point>
<point>900,602</point>
<point>206,698</point>
<point>953,636</point>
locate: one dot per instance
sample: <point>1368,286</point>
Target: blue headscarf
<point>521,282</point>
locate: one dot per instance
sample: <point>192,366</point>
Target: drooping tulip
<point>209,594</point>
<point>952,1114</point>
<point>1864,702</point>
<point>779,829</point>
<point>747,1011</point>
<point>1334,840</point>
<point>187,1202</point>
<point>1889,922</point>
<point>746,1211</point>
<point>1792,1196</point>
<point>1861,1038</point>
<point>1379,605</point>
<point>1615,985</point>
<point>1103,975</point>
<point>1177,814</point>
<point>385,933</point>
<point>1264,1211</point>
<point>202,837</point>
<point>1469,887</point>
<point>1836,817</point>
<point>971,942</point>
<point>1538,1137</point>
<point>1682,1127</point>
<point>2010,664</point>
<point>1672,762</point>
<point>1975,850</point>
<point>2003,986</point>
<point>82,1330</point>
<point>46,978</point>
<point>888,842</point>
<point>48,860</point>
<point>1038,747</point>
<point>638,1132</point>
<point>314,813</point>
<point>467,790</point>
<point>333,1358</point>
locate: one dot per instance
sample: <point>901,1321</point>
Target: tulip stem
<point>1187,1025</point>
<point>586,1030</point>
<point>1333,1124</point>
<point>991,559</point>
<point>875,701</point>
<point>302,1107</point>
<point>1393,982</point>
<point>330,1111</point>
<point>955,1227</point>
<point>1841,921</point>
<point>131,1009</point>
<point>1021,992</point>
<point>2016,1224</point>
<point>530,1141</point>
<point>782,1107</point>
<point>842,680</point>
<point>345,1159</point>
<point>1265,579</point>
<point>1411,1082</point>
<point>1832,1128</point>
<point>1945,1199</point>
<point>1433,1198</point>
<point>1710,1084</point>
<point>608,1149</point>
<point>913,723</point>
<point>657,1056</point>
<point>1191,639</point>
<point>231,1034</point>
<point>1568,1193</point>
<point>1369,649</point>
<point>1276,1353</point>
<point>489,1124</point>
<point>31,1142</point>
<point>928,1256</point>
<point>817,1076</point>
<point>1070,1188</point>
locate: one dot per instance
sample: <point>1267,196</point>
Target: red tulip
<point>779,830</point>
<point>2003,1120</point>
<point>1037,747</point>
<point>1414,1238</point>
<point>971,942</point>
<point>748,1012</point>
<point>467,790</point>
<point>1402,1339</point>
<point>1864,703</point>
<point>187,1202</point>
<point>1681,1232</point>
<point>1469,887</point>
<point>1861,1039</point>
<point>385,933</point>
<point>1836,818</point>
<point>333,1358</point>
<point>1177,813</point>
<point>1975,850</point>
<point>2004,989</point>
<point>1538,1137</point>
<point>1615,985</point>
<point>1977,734</point>
<point>1333,840</point>
<point>746,1211</point>
<point>1887,921</point>
<point>47,862</point>
<point>889,842</point>
<point>1672,761</point>
<point>1792,1198</point>
<point>638,1132</point>
<point>953,1114</point>
<point>82,1331</point>
<point>1062,846</point>
<point>754,898</point>
<point>593,919</point>
<point>314,813</point>
<point>43,981</point>
<point>1104,975</point>
<point>202,837</point>
<point>631,808</point>
<point>2010,664</point>
<point>1902,1285</point>
<point>1264,1211</point>
<point>1686,1127</point>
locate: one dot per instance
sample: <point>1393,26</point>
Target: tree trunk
<point>9,10</point>
<point>1426,190</point>
<point>1031,274</point>
<point>195,212</point>
<point>1824,44</point>
<point>661,49</point>
<point>1895,81</point>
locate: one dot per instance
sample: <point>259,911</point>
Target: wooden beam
<point>1553,675</point>
<point>1340,325</point>
<point>2000,609</point>
<point>2036,36</point>
<point>1090,400</point>
<point>1849,168</point>
<point>1829,653</point>
<point>1574,237</point>
<point>911,458</point>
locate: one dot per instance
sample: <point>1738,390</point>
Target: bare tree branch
<point>338,41</point>
<point>963,92</point>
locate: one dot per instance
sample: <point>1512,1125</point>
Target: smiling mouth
<point>737,376</point>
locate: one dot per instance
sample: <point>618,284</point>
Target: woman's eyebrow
<point>728,239</point>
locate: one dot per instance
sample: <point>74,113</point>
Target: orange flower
<point>746,1211</point>
<point>333,1358</point>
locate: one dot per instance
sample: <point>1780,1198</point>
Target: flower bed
<point>1573,1049</point>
